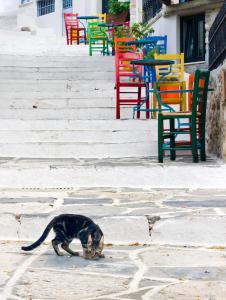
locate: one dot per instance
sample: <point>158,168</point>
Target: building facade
<point>198,29</point>
<point>46,16</point>
<point>185,22</point>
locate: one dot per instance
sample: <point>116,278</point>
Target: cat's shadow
<point>51,260</point>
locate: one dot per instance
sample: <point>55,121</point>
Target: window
<point>25,1</point>
<point>104,6</point>
<point>150,9</point>
<point>193,37</point>
<point>67,4</point>
<point>45,7</point>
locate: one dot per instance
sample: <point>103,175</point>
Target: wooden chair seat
<point>178,114</point>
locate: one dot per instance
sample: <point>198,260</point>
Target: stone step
<point>52,67</point>
<point>78,150</point>
<point>56,93</point>
<point>133,172</point>
<point>76,75</point>
<point>57,103</point>
<point>54,60</point>
<point>30,227</point>
<point>89,113</point>
<point>80,125</point>
<point>76,136</point>
<point>55,86</point>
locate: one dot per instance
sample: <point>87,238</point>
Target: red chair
<point>73,31</point>
<point>128,83</point>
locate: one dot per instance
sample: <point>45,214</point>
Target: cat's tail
<point>41,239</point>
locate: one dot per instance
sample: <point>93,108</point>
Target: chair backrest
<point>177,72</point>
<point>190,87</point>
<point>71,20</point>
<point>123,66</point>
<point>127,23</point>
<point>157,44</point>
<point>121,47</point>
<point>95,31</point>
<point>102,17</point>
<point>199,94</point>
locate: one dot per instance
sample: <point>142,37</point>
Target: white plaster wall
<point>169,26</point>
<point>87,7</point>
<point>52,23</point>
<point>26,16</point>
<point>8,7</point>
<point>136,11</point>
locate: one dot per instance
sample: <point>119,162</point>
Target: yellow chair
<point>173,81</point>
<point>102,17</point>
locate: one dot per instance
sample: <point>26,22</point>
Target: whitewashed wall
<point>53,23</point>
<point>8,7</point>
<point>26,16</point>
<point>169,26</point>
<point>87,7</point>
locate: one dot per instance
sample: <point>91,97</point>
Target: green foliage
<point>140,30</point>
<point>115,7</point>
<point>122,31</point>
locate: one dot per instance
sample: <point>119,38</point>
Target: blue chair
<point>158,45</point>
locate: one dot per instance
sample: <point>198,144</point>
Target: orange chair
<point>73,31</point>
<point>121,47</point>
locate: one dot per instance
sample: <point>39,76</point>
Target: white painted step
<point>77,136</point>
<point>55,86</point>
<point>79,150</point>
<point>55,103</point>
<point>89,113</point>
<point>132,172</point>
<point>76,75</point>
<point>91,125</point>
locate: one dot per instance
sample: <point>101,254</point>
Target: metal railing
<point>217,39</point>
<point>150,9</point>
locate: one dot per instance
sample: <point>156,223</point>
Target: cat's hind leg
<point>65,246</point>
<point>55,244</point>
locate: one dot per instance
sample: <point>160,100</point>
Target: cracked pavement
<point>184,257</point>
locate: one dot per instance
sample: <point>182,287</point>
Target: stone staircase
<point>64,107</point>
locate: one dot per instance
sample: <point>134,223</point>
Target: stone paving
<point>160,244</point>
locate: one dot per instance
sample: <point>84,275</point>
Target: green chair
<point>98,39</point>
<point>194,126</point>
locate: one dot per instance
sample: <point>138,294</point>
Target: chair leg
<point>67,35</point>
<point>172,139</point>
<point>78,37</point>
<point>147,107</point>
<point>154,105</point>
<point>117,102</point>
<point>194,144</point>
<point>203,143</point>
<point>160,139</point>
<point>184,104</point>
<point>90,48</point>
<point>139,101</point>
<point>85,37</point>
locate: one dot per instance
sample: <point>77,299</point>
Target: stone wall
<point>216,113</point>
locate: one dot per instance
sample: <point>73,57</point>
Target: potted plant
<point>118,11</point>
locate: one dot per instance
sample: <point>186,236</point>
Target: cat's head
<point>95,241</point>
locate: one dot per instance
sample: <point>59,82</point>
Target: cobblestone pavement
<point>184,258</point>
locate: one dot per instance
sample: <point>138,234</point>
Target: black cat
<point>69,226</point>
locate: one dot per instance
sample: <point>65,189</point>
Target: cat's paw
<point>101,255</point>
